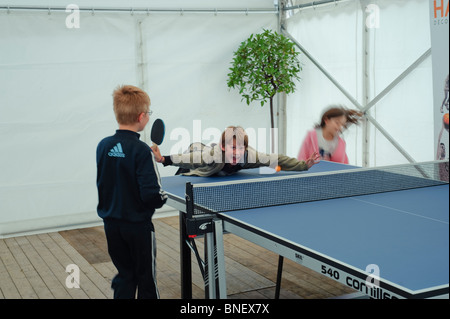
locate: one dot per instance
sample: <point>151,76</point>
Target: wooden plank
<point>106,269</point>
<point>92,283</point>
<point>56,269</point>
<point>20,247</point>
<point>11,278</point>
<point>89,242</point>
<point>34,267</point>
<point>63,260</point>
<point>44,264</point>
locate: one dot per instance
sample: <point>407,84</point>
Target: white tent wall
<point>56,85</point>
<point>195,98</point>
<point>56,104</point>
<point>335,36</point>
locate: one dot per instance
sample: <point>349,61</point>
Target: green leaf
<point>263,65</point>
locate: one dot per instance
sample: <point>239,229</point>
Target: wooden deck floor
<point>34,267</point>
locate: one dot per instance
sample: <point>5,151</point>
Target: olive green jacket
<point>204,160</point>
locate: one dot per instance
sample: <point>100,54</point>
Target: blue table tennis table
<point>390,244</point>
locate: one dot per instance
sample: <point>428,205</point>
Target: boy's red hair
<point>129,102</point>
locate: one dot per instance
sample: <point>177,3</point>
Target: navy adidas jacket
<point>128,181</point>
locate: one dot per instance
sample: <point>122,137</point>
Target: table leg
<point>279,276</point>
<point>210,276</point>
<point>215,280</point>
<point>220,258</point>
<point>185,261</point>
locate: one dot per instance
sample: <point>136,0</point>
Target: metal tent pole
<point>353,100</point>
<point>141,10</point>
<point>323,70</point>
<point>366,40</point>
<point>394,83</point>
<point>313,4</point>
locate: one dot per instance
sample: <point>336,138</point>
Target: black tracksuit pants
<point>132,248</point>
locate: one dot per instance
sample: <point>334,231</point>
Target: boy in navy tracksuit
<point>129,191</point>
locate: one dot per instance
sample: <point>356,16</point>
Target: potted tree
<point>264,65</point>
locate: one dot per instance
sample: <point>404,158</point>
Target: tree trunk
<point>272,125</point>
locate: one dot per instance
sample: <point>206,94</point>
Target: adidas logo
<point>116,151</point>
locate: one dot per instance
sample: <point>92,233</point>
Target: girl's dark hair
<point>352,116</point>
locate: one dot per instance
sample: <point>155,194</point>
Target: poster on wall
<point>440,51</point>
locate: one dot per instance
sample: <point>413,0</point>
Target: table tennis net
<point>304,187</point>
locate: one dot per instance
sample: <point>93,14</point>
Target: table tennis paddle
<point>158,131</point>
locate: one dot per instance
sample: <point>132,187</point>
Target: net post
<point>195,224</point>
<point>189,200</point>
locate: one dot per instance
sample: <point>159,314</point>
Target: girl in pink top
<point>324,138</point>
